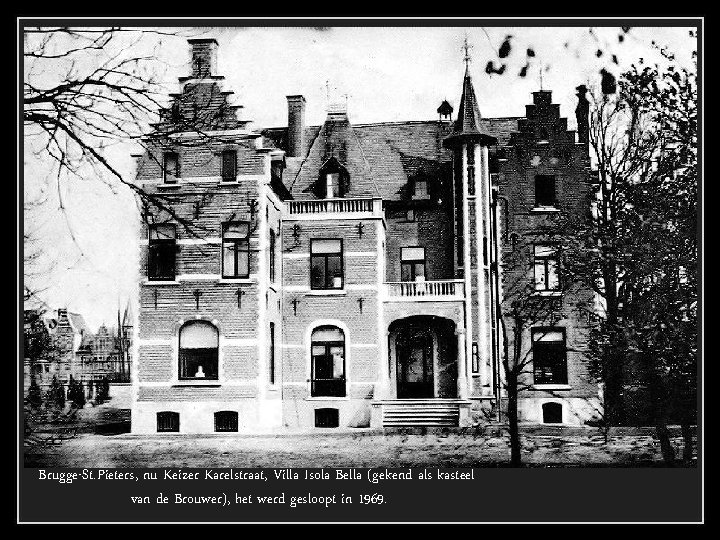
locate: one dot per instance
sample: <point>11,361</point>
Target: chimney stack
<point>203,57</point>
<point>296,126</point>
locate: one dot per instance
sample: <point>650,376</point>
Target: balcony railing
<point>335,206</point>
<point>426,290</point>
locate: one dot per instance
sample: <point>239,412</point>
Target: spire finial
<point>466,47</point>
<point>541,76</point>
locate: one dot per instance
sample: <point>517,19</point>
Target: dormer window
<point>333,181</point>
<point>420,189</point>
<point>332,185</point>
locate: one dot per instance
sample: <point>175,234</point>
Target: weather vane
<point>466,47</point>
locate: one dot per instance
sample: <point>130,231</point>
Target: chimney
<point>296,126</point>
<point>581,114</point>
<point>203,57</point>
<point>337,111</point>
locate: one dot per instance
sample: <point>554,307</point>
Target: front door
<point>414,352</point>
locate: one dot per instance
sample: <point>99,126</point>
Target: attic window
<point>420,189</point>
<point>332,185</point>
<point>333,181</point>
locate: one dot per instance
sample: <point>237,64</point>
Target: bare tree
<point>522,308</point>
<point>641,238</point>
<point>85,92</point>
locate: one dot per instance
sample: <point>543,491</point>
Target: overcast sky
<point>385,74</point>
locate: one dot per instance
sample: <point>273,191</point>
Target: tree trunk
<point>614,358</point>
<point>687,436</point>
<point>668,452</point>
<point>513,428</point>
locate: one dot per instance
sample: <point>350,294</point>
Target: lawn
<point>361,449</point>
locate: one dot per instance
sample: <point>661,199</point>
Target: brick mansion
<point>354,275</point>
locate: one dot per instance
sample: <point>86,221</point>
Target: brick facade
<point>310,338</point>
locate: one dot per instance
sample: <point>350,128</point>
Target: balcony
<point>425,291</point>
<point>359,208</point>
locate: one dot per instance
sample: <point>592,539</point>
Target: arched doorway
<point>423,357</point>
<point>415,363</point>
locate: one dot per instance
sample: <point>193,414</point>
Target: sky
<point>88,248</point>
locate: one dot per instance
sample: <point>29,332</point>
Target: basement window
<point>552,413</point>
<point>168,422</point>
<point>327,418</point>
<point>226,421</point>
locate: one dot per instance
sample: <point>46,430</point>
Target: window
<point>328,362</point>
<point>412,264</point>
<point>326,264</point>
<point>333,180</point>
<point>332,185</point>
<point>420,188</point>
<point>198,357</point>
<point>272,354</point>
<point>202,65</point>
<point>471,168</point>
<point>161,252</point>
<point>226,421</point>
<point>549,356</point>
<point>327,418</point>
<point>272,256</point>
<point>552,413</point>
<point>171,167</point>
<point>546,268</point>
<point>545,190</point>
<point>475,358</point>
<point>229,165</point>
<point>168,422</point>
<point>236,250</point>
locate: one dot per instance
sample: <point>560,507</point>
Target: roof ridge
<point>399,122</point>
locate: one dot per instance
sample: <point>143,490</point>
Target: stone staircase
<point>420,412</point>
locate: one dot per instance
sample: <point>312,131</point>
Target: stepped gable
<point>202,104</point>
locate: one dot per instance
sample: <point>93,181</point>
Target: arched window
<point>198,358</point>
<point>328,362</point>
<point>552,413</point>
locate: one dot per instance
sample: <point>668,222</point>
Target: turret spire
<point>467,124</point>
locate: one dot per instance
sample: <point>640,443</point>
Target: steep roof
<point>469,121</point>
<point>380,157</point>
